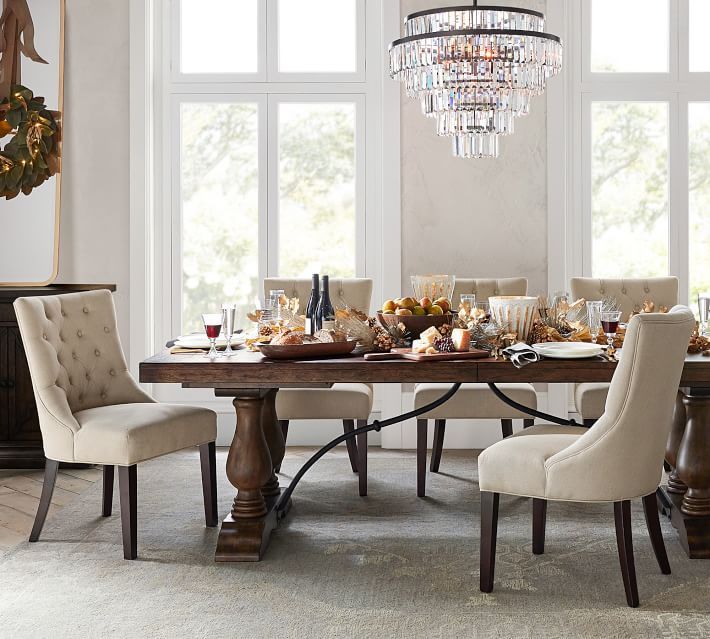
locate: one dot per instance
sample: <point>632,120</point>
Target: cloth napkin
<point>521,354</point>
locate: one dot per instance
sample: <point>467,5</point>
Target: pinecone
<point>444,329</point>
<point>382,342</point>
<point>372,322</point>
<point>265,330</point>
<point>445,345</point>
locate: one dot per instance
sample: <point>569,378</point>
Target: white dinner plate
<point>568,350</point>
<point>200,341</point>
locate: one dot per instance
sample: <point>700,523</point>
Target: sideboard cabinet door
<point>4,376</point>
<point>22,410</point>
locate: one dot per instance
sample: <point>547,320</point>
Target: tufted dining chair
<point>472,401</point>
<point>616,460</point>
<point>351,403</point>
<point>630,294</point>
<point>91,411</point>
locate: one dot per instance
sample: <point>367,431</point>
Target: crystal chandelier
<point>475,69</point>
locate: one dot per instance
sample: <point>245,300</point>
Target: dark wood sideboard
<point>20,437</point>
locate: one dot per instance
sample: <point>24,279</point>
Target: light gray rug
<point>389,565</point>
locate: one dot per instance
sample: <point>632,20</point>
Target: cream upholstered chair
<point>472,401</point>
<point>350,403</point>
<point>91,410</point>
<point>589,398</point>
<point>618,459</point>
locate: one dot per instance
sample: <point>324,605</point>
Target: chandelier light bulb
<point>475,69</point>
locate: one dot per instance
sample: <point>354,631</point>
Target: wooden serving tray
<point>304,351</point>
<point>405,353</point>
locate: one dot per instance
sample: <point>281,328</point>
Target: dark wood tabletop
<point>254,369</point>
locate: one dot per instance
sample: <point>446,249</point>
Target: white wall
<point>474,218</point>
<point>94,225</point>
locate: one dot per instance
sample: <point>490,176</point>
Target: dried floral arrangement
<point>562,323</point>
<point>369,333</point>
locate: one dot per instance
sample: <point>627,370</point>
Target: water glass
<point>229,311</point>
<point>275,303</point>
<point>213,325</point>
<point>704,308</point>
<point>594,318</point>
<point>468,302</point>
<point>486,308</point>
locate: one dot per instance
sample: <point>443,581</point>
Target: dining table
<point>258,447</point>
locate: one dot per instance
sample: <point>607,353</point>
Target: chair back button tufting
<point>86,310</point>
<point>79,333</point>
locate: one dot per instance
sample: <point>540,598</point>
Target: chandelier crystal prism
<point>475,69</point>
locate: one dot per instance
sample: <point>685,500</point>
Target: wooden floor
<point>19,498</point>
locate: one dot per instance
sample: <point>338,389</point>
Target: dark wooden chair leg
<point>422,429</point>
<point>208,464</point>
<point>438,445</point>
<point>107,501</point>
<point>50,477</point>
<point>624,542</point>
<point>527,423</point>
<point>650,510</point>
<point>362,458</point>
<point>539,521</point>
<point>284,430</point>
<point>127,486</point>
<point>351,444</point>
<point>489,531</point>
<point>506,426</point>
<point>588,423</point>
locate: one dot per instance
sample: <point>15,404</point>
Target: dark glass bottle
<point>312,308</point>
<point>326,312</point>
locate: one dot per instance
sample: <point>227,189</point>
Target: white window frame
<point>569,138</point>
<point>153,293</point>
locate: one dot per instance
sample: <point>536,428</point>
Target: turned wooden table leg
<point>274,440</point>
<point>245,531</point>
<point>675,485</point>
<point>693,464</point>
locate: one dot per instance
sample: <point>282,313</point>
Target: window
<point>265,147</point>
<point>640,75</point>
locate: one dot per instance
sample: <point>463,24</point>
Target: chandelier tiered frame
<point>475,69</point>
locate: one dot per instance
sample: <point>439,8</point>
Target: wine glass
<point>610,324</point>
<point>213,325</point>
<point>704,308</point>
<point>594,312</point>
<point>229,311</point>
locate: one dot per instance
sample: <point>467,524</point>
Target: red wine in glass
<point>610,326</point>
<point>213,330</point>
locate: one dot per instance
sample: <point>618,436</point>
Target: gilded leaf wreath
<point>32,154</point>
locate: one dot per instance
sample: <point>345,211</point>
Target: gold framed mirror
<point>32,57</point>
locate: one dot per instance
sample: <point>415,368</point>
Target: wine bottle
<point>326,312</point>
<point>312,308</point>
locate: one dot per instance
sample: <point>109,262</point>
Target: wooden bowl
<point>415,324</point>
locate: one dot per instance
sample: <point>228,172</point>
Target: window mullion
<point>272,216</point>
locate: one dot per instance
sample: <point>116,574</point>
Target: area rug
<point>387,565</point>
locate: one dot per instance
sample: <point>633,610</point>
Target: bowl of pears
<point>416,315</point>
